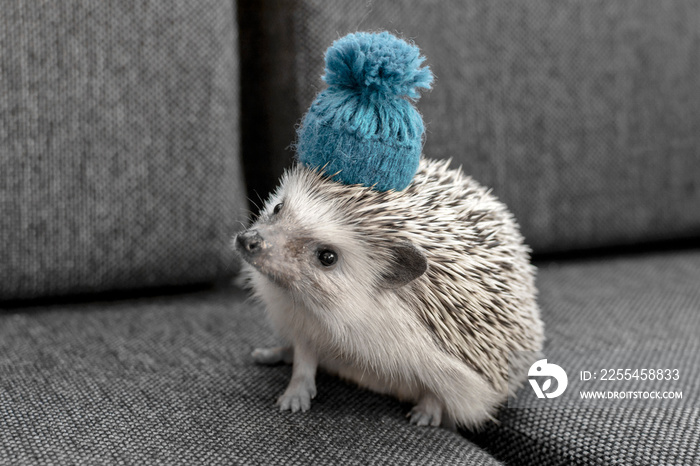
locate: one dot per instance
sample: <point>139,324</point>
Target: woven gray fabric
<point>169,380</point>
<point>637,304</point>
<point>118,145</point>
<point>582,116</point>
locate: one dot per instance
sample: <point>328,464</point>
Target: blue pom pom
<point>377,63</point>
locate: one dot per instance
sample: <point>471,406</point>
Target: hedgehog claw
<point>298,396</point>
<point>428,412</point>
<point>421,418</point>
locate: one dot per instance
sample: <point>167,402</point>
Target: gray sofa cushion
<point>636,310</point>
<point>118,145</point>
<point>582,116</point>
<point>170,379</point>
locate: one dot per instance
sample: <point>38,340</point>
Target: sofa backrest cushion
<point>118,145</point>
<point>584,117</point>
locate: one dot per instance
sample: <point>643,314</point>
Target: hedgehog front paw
<point>298,396</point>
<point>270,356</point>
<point>428,412</point>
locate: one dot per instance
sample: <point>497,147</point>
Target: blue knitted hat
<point>363,129</point>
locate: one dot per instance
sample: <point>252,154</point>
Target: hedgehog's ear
<point>407,264</point>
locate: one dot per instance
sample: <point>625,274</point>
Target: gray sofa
<point>134,135</point>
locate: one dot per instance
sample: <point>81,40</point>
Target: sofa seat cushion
<point>635,312</point>
<point>169,380</point>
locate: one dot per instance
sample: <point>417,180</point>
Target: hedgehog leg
<point>428,411</point>
<point>276,355</point>
<point>302,388</point>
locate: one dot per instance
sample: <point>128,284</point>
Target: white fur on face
<point>308,222</point>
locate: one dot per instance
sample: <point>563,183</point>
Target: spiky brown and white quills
<point>425,294</point>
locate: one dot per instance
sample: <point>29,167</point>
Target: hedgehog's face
<point>306,242</point>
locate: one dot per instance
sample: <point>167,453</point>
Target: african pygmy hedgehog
<point>424,293</point>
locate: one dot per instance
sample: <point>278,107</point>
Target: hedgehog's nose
<point>250,241</point>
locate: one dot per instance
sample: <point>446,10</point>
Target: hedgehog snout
<point>249,242</point>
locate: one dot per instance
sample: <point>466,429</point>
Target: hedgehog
<point>425,293</point>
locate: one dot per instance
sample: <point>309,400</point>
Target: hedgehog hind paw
<point>422,418</point>
<point>428,412</point>
<point>272,356</point>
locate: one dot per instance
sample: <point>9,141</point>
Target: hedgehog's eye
<point>327,257</point>
<point>277,208</point>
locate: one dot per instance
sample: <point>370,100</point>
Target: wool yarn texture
<point>363,128</point>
